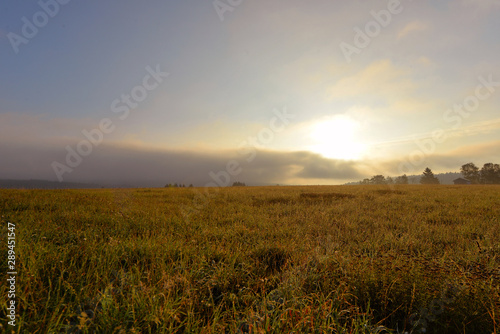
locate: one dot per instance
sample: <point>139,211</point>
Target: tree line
<point>426,178</point>
<point>175,185</point>
<point>381,179</point>
<point>488,174</point>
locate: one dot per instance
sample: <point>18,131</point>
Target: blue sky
<point>362,114</point>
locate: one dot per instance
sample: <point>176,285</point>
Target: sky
<point>213,92</point>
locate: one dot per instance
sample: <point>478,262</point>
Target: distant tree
<point>490,174</point>
<point>167,185</point>
<point>191,185</point>
<point>238,184</point>
<point>378,179</point>
<point>403,179</point>
<point>471,173</point>
<point>428,177</point>
<point>176,185</point>
<point>365,181</point>
<point>389,180</point>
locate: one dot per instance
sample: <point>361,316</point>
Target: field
<point>317,259</point>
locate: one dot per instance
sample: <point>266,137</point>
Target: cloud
<point>382,83</point>
<point>412,27</point>
<point>114,165</point>
<point>484,152</point>
<point>481,4</point>
<point>316,167</point>
<point>380,78</point>
<point>424,61</point>
<point>450,161</point>
<point>478,128</point>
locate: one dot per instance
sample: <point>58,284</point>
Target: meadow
<point>312,259</point>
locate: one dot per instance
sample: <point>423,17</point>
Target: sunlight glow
<point>338,138</point>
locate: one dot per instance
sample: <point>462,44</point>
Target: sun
<point>338,138</point>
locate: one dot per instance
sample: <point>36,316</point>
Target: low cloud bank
<point>114,165</point>
<point>133,166</point>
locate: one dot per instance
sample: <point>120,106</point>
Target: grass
<point>317,259</point>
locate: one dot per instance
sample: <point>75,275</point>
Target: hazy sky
<point>291,92</point>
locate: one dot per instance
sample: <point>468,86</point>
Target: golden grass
<point>317,259</point>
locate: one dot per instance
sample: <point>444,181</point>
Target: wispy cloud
<point>412,27</point>
<point>380,78</point>
<point>481,151</point>
<point>397,88</point>
<point>483,127</point>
